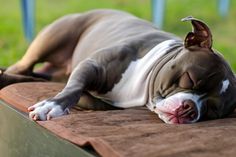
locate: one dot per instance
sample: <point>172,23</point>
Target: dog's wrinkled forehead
<point>204,68</point>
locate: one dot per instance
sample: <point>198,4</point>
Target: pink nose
<point>187,112</point>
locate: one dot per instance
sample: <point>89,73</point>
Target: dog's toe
<point>56,112</point>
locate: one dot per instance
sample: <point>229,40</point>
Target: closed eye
<point>185,81</point>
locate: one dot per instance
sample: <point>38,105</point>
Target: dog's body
<point>112,57</point>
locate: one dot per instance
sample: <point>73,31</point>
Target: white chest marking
<point>225,86</point>
<point>132,89</point>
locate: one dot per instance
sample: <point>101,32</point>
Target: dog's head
<point>197,83</point>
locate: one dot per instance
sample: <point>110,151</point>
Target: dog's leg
<point>84,77</point>
<point>54,44</point>
<point>7,79</point>
<point>98,73</point>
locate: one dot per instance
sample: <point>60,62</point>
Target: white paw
<point>45,110</point>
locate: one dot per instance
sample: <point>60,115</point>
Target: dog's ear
<point>200,36</point>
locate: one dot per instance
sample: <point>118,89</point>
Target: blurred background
<point>13,42</point>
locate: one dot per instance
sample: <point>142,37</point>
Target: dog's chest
<point>132,89</point>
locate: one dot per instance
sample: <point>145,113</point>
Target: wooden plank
<point>20,137</point>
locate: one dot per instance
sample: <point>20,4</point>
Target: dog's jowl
<point>112,58</point>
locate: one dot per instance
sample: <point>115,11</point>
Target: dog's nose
<point>188,111</point>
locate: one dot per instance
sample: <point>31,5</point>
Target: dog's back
<point>110,28</point>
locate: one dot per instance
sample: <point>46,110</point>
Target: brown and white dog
<point>114,58</point>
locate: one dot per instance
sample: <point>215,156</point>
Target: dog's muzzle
<point>180,108</point>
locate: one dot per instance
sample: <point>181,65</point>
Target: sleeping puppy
<point>112,58</point>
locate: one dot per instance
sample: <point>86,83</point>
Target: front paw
<point>45,110</point>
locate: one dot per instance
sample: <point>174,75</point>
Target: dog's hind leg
<point>54,44</point>
<point>7,79</point>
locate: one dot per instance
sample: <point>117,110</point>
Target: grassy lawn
<point>13,44</point>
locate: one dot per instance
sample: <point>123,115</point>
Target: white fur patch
<point>132,89</point>
<point>45,110</point>
<point>225,86</point>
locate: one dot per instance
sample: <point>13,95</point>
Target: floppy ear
<point>200,36</point>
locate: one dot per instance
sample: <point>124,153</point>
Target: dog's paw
<point>45,110</point>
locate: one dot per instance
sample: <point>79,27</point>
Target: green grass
<point>13,44</point>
